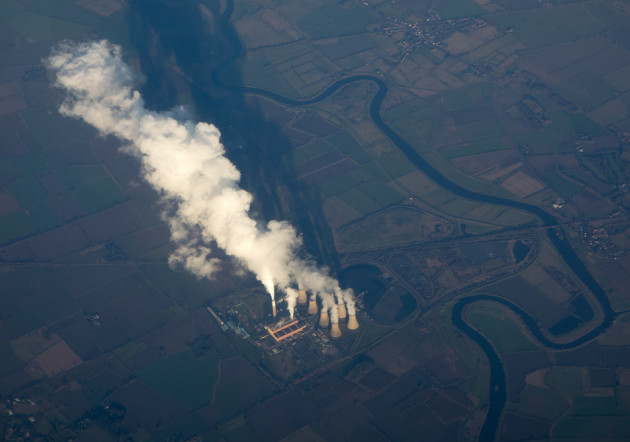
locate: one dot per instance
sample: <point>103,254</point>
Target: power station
<point>281,330</point>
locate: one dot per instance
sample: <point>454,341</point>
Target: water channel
<point>497,394</point>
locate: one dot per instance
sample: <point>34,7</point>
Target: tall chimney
<point>335,331</point>
<point>302,296</point>
<point>312,307</point>
<point>341,309</point>
<point>273,307</point>
<point>324,320</point>
<point>352,322</point>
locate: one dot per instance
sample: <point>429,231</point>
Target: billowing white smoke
<point>185,162</point>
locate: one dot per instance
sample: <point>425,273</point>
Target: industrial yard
<point>293,346</point>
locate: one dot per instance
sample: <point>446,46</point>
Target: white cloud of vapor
<point>185,163</point>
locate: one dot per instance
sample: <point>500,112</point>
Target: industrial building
<point>285,331</point>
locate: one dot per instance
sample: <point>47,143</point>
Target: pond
<point>364,278</point>
<point>384,302</point>
<point>520,250</point>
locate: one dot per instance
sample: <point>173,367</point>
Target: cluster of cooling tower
<point>324,317</point>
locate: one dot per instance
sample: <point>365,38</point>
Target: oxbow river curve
<point>497,393</point>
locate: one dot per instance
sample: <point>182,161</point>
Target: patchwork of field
<point>579,392</point>
<point>530,101</point>
<point>491,135</point>
<point>88,299</point>
<point>551,295</point>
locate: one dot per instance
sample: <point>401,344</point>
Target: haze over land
<point>462,165</point>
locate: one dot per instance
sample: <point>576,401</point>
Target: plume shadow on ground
<point>201,43</point>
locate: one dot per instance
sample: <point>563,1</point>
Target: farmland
<point>520,115</point>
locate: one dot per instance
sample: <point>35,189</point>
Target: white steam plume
<point>185,163</point>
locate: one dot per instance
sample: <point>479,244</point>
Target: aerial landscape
<point>324,220</point>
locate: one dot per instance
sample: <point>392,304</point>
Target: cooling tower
<point>335,331</point>
<point>302,297</point>
<point>312,307</point>
<point>324,320</point>
<point>352,322</point>
<point>273,307</point>
<point>341,309</point>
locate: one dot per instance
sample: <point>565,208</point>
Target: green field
<point>468,96</point>
<point>309,151</point>
<point>8,9</point>
<point>395,164</point>
<point>41,216</point>
<point>616,335</point>
<point>29,164</point>
<point>458,206</point>
<point>408,108</point>
<point>183,287</point>
<point>594,406</point>
<point>476,184</point>
<point>338,185</point>
<point>566,380</point>
<point>461,8</point>
<point>46,29</point>
<point>437,197</point>
<point>347,46</point>
<point>473,228</point>
<point>369,171</point>
<point>186,428</point>
<point>75,176</point>
<point>488,128</point>
<point>478,147</point>
<point>52,129</point>
<point>381,192</point>
<point>592,428</point>
<point>41,314</point>
<point>369,333</point>
<point>331,20</point>
<point>537,143</point>
<point>619,79</point>
<point>99,194</point>
<point>347,144</point>
<point>66,10</point>
<point>182,377</point>
<point>8,360</point>
<point>586,91</point>
<point>130,350</point>
<point>590,181</point>
<point>538,27</point>
<point>562,185</point>
<point>413,123</point>
<point>539,402</point>
<point>15,226</point>
<point>296,60</point>
<point>395,226</point>
<point>499,328</point>
<point>583,125</point>
<point>359,201</point>
<point>513,217</point>
<point>27,190</point>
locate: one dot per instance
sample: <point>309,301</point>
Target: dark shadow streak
<point>254,145</point>
<point>179,29</point>
<point>555,233</point>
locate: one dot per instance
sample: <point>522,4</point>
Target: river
<point>497,393</point>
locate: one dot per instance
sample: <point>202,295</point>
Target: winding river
<point>497,394</point>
